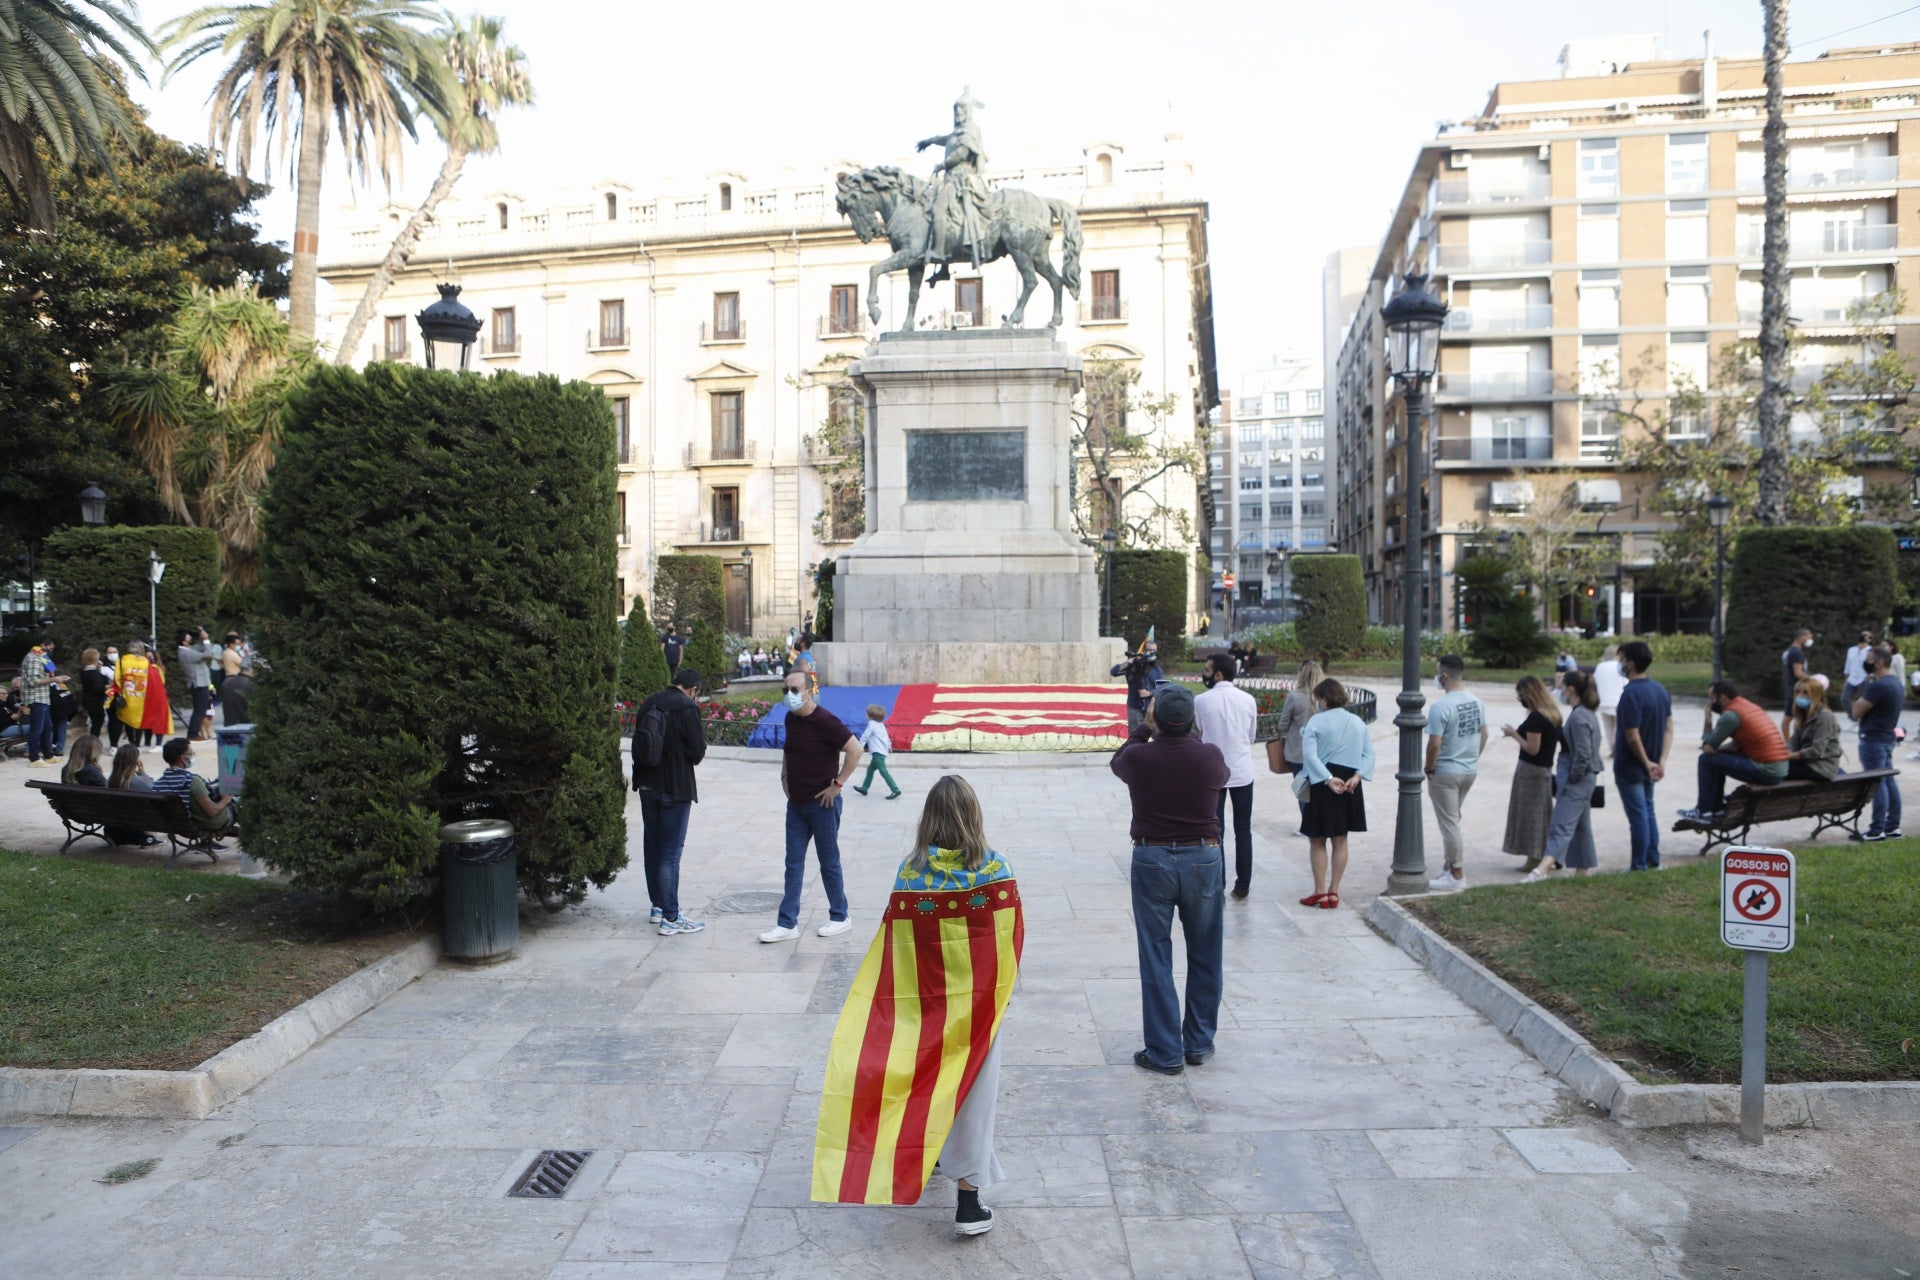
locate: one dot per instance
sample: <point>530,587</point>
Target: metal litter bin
<point>480,910</point>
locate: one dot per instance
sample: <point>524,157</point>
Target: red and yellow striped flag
<point>921,1016</point>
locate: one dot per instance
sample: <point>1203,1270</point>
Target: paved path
<point>1358,1121</point>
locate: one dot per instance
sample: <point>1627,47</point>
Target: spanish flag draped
<point>921,1016</point>
<point>145,688</point>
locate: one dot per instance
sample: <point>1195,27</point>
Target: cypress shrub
<point>1150,590</point>
<point>690,589</point>
<point>643,665</point>
<point>705,655</point>
<point>1837,581</point>
<point>1333,605</point>
<point>97,588</point>
<point>439,556</point>
<point>823,574</point>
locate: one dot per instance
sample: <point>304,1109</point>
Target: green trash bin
<point>480,908</point>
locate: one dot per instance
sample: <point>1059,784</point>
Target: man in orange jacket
<point>1741,741</point>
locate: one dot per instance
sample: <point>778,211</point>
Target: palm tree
<point>1774,411</point>
<point>361,62</point>
<point>54,88</point>
<point>491,76</point>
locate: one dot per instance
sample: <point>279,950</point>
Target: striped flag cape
<point>1005,717</point>
<point>144,685</point>
<point>921,1016</point>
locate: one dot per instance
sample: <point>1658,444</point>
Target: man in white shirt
<point>1856,672</point>
<point>1228,717</point>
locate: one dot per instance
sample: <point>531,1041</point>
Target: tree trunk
<point>1774,413</point>
<point>400,252</point>
<point>304,281</point>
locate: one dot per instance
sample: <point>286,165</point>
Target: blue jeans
<point>807,820</point>
<point>39,731</point>
<point>1716,767</point>
<point>1635,786</point>
<point>1876,752</point>
<point>1190,879</point>
<point>663,834</point>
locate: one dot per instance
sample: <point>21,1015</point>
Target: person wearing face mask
<point>1813,748</point>
<point>1570,831</point>
<point>668,791</point>
<point>1877,711</point>
<point>1228,718</point>
<point>1741,741</point>
<point>1336,757</point>
<point>1609,682</point>
<point>1856,671</point>
<point>1793,669</point>
<point>820,754</point>
<point>1640,745</point>
<point>1143,674</point>
<point>1456,735</point>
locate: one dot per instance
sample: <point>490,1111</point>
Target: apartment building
<point>1269,476</point>
<point>1604,229</point>
<point>719,319</point>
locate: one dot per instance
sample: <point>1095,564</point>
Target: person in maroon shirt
<point>1175,780</point>
<point>820,755</point>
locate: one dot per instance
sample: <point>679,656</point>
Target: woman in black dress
<point>1530,803</point>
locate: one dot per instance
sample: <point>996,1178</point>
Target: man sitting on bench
<point>1742,742</point>
<point>217,816</point>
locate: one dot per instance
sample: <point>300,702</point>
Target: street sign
<point>1227,582</point>
<point>1756,899</point>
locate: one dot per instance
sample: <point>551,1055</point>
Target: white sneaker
<point>1445,883</point>
<point>832,927</point>
<point>779,934</point>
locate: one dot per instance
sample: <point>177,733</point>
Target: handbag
<point>1301,787</point>
<point>1599,796</point>
<point>1277,756</point>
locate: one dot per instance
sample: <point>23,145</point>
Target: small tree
<point>1119,471</point>
<point>705,655</point>
<point>1505,631</point>
<point>643,666</point>
<point>1150,591</point>
<point>1333,605</point>
<point>1557,544</point>
<point>690,589</point>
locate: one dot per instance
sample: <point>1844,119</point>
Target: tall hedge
<point>689,589</point>
<point>1150,590</point>
<point>706,655</point>
<point>1333,604</point>
<point>97,579</point>
<point>643,665</point>
<point>1837,581</point>
<point>823,576</point>
<point>439,554</point>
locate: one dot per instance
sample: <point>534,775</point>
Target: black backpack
<point>650,737</point>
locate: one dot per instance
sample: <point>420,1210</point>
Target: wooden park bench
<point>1835,804</point>
<point>89,811</point>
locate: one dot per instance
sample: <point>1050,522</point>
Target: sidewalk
<point>1358,1121</point>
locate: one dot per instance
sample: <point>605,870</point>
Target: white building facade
<point>719,322</point>
<point>1270,491</point>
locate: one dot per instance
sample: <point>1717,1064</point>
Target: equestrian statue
<point>956,218</point>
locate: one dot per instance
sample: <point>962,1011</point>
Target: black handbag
<point>1599,796</point>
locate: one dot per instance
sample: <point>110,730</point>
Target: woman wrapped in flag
<point>913,1076</point>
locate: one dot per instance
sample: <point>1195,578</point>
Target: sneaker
<point>779,933</point>
<point>832,927</point>
<point>859,791</point>
<point>1705,817</point>
<point>1239,892</point>
<point>1538,874</point>
<point>683,925</point>
<point>655,916</point>
<point>1867,837</point>
<point>1895,834</point>
<point>972,1218</point>
<point>895,795</point>
<point>1445,882</point>
<point>1145,1063</point>
<point>1198,1059</point>
<point>37,764</point>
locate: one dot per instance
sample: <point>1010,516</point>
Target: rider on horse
<point>960,184</point>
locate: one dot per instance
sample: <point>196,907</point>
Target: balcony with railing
<point>1499,319</point>
<point>402,352</point>
<point>1864,171</point>
<point>499,347</point>
<point>609,339</point>
<point>1517,385</point>
<point>706,534</point>
<point>721,335</point>
<point>726,453</point>
<point>1834,240</point>
<point>1103,311</point>
<point>1505,189</point>
<point>1493,449</point>
<point>839,325</point>
<point>1825,314</point>
<point>818,452</point>
<point>1493,257</point>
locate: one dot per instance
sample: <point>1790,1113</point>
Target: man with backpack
<point>668,741</point>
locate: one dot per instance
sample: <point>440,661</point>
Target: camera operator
<point>1143,672</point>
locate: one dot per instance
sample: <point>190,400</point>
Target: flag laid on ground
<point>1008,717</point>
<point>918,1022</point>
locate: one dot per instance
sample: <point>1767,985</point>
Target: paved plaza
<point>1357,1121</point>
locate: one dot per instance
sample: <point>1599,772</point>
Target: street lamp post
<point>1413,319</point>
<point>448,320</point>
<point>746,559</point>
<point>1108,541</point>
<point>156,570</point>
<point>93,504</point>
<point>1718,509</point>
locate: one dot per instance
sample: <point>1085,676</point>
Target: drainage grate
<point>549,1176</point>
<point>744,903</point>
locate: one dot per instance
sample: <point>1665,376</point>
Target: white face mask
<point>795,700</point>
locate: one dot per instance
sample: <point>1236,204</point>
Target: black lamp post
<point>746,559</point>
<point>1413,320</point>
<point>156,570</point>
<point>1718,509</point>
<point>93,504</point>
<point>1108,541</point>
<point>448,320</point>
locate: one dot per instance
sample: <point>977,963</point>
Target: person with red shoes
<point>1336,755</point>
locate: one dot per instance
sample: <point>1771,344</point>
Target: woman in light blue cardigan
<point>1336,753</point>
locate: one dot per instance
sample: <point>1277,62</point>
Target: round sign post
<point>1756,917</point>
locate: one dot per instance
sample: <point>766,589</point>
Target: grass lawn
<point>1635,964</point>
<point>104,966</point>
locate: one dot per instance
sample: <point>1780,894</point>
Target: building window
<point>1103,170</point>
<point>729,427</point>
<point>613,323</point>
<point>967,300</point>
<point>1282,402</point>
<point>1599,299</point>
<point>1597,234</point>
<point>613,207</point>
<point>1249,406</point>
<point>1514,439</point>
<point>505,336</point>
<point>501,210</point>
<point>1313,480</point>
<point>623,428</point>
<point>1252,482</point>
<point>1252,432</point>
<point>1599,168</point>
<point>1314,537</point>
<point>1313,402</point>
<point>1106,295</point>
<point>1252,458</point>
<point>396,343</point>
<point>1312,431</point>
<point>1687,229</point>
<point>843,309</point>
<point>1250,513</point>
<point>1599,364</point>
<point>1687,295</point>
<point>1281,480</point>
<point>1280,510</point>
<point>620,585</point>
<point>1687,362</point>
<point>846,511</point>
<point>726,515</point>
<point>1599,433</point>
<point>1686,163</point>
<point>726,197</point>
<point>620,516</point>
<point>1313,509</point>
<point>726,316</point>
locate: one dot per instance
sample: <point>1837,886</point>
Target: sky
<point>1302,120</point>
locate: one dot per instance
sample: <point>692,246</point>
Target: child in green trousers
<point>876,743</point>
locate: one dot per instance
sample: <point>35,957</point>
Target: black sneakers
<point>972,1218</point>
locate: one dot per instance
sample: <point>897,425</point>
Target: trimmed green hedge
<point>1837,581</point>
<point>1333,605</point>
<point>643,664</point>
<point>97,588</point>
<point>1150,590</point>
<point>823,576</point>
<point>690,589</point>
<point>705,655</point>
<point>439,558</point>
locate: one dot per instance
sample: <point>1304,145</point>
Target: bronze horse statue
<point>890,202</point>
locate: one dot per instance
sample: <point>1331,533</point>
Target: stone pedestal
<point>969,572</point>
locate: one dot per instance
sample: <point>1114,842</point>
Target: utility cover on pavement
<point>550,1174</point>
<point>1756,899</point>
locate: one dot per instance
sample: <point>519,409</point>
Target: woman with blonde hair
<point>83,763</point>
<point>1294,714</point>
<point>1813,749</point>
<point>913,1075</point>
<point>1336,755</point>
<point>1530,802</point>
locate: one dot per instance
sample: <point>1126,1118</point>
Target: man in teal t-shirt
<point>1456,735</point>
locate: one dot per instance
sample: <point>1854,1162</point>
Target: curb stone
<point>1598,1080</point>
<point>194,1094</point>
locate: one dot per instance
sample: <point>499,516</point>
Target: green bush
<point>1837,581</point>
<point>1506,633</point>
<point>1150,590</point>
<point>705,655</point>
<point>823,574</point>
<point>439,557</point>
<point>1333,605</point>
<point>97,588</point>
<point>690,589</point>
<point>643,665</point>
